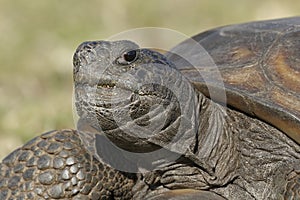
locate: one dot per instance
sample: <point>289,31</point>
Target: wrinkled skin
<point>144,132</point>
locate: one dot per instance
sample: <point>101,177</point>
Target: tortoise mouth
<point>106,84</point>
<point>112,91</point>
<point>111,83</point>
<point>107,95</point>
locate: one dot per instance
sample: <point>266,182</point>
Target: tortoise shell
<point>259,65</point>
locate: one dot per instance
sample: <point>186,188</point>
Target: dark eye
<point>128,57</point>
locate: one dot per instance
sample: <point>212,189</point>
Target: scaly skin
<point>55,165</point>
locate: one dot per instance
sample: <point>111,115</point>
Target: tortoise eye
<point>128,57</point>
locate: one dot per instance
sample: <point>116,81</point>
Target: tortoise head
<point>133,95</point>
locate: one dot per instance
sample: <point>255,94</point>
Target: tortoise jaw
<point>106,84</point>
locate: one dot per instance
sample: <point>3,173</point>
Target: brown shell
<point>260,66</point>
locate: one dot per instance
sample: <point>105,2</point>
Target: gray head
<point>133,95</point>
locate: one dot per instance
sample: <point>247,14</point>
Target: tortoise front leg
<point>56,165</point>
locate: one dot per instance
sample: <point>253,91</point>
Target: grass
<point>37,42</point>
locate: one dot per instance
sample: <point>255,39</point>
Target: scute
<point>259,63</point>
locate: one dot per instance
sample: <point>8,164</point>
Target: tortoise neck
<point>215,142</point>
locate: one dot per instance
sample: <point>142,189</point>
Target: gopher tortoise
<point>165,126</point>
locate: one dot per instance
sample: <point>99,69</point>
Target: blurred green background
<point>37,41</point>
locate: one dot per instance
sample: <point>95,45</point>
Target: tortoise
<point>159,126</point>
